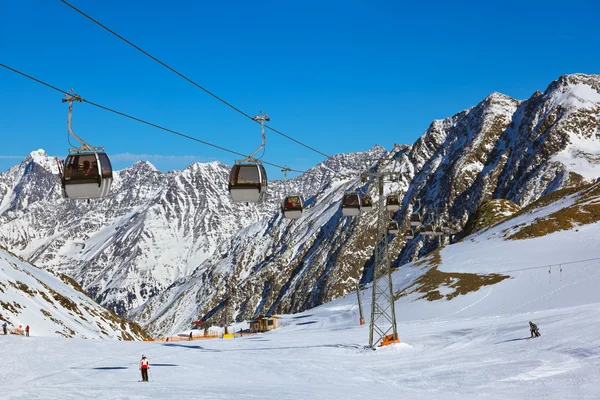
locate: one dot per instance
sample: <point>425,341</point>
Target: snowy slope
<point>472,346</point>
<point>52,307</point>
<point>164,247</point>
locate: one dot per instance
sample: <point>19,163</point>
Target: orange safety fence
<point>186,338</point>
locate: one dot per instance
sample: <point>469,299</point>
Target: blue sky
<point>340,76</point>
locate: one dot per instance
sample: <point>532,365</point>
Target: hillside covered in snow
<point>463,314</point>
<point>55,305</point>
<point>167,248</point>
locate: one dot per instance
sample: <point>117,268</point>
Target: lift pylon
<point>382,327</point>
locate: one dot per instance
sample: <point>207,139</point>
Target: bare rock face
<point>167,248</point>
<point>490,213</point>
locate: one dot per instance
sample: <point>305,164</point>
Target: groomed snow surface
<point>474,346</point>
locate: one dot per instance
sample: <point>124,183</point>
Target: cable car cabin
<point>351,204</point>
<point>415,220</point>
<point>392,203</point>
<point>427,230</point>
<point>409,234</point>
<point>393,227</point>
<point>87,176</point>
<point>293,206</point>
<point>366,203</point>
<point>248,183</point>
<point>438,231</point>
<point>446,227</point>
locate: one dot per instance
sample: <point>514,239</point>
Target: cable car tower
<point>382,326</point>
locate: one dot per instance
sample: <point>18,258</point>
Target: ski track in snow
<point>465,308</point>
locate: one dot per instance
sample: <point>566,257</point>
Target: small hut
<point>264,323</point>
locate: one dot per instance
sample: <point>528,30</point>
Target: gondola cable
<point>137,119</point>
<point>189,79</point>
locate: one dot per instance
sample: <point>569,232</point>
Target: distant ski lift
<point>438,231</point>
<point>248,178</point>
<point>293,206</point>
<point>351,204</point>
<point>366,203</point>
<point>427,230</point>
<point>415,220</point>
<point>392,203</point>
<point>446,227</point>
<point>409,234</point>
<point>393,227</point>
<point>87,172</point>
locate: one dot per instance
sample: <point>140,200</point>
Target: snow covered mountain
<point>167,248</point>
<point>55,305</point>
<point>462,314</point>
<point>501,148</point>
<point>154,229</point>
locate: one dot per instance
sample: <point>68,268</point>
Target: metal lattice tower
<point>382,327</point>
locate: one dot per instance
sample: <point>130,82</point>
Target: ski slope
<point>473,346</point>
<point>53,305</point>
<point>319,355</point>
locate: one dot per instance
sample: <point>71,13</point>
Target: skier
<point>534,330</point>
<point>4,327</point>
<point>144,367</point>
<point>27,330</point>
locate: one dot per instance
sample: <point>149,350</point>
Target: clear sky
<point>340,76</point>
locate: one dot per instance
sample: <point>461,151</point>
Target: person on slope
<point>4,327</point>
<point>27,330</point>
<point>144,367</point>
<point>535,332</point>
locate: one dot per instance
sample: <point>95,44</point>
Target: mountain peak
<point>37,154</point>
<point>497,96</point>
<point>566,82</point>
<point>42,159</point>
<point>575,91</point>
<point>144,165</point>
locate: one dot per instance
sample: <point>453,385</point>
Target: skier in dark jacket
<point>4,326</point>
<point>534,329</point>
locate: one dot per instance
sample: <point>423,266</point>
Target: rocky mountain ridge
<point>168,247</point>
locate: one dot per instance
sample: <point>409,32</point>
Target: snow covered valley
<point>472,346</point>
<point>319,355</point>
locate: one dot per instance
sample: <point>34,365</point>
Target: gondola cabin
<point>293,206</point>
<point>392,203</point>
<point>427,230</point>
<point>366,203</point>
<point>438,231</point>
<point>248,183</point>
<point>409,234</point>
<point>393,227</point>
<point>415,220</point>
<point>87,175</point>
<point>351,204</point>
<point>446,227</point>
